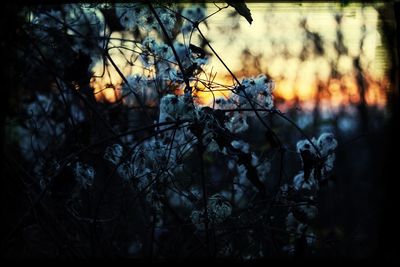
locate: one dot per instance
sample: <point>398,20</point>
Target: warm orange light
<point>336,92</point>
<point>104,91</point>
<point>285,89</point>
<point>375,95</point>
<point>205,95</point>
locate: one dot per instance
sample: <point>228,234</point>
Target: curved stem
<point>169,41</point>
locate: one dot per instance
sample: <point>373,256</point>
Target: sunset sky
<point>276,35</point>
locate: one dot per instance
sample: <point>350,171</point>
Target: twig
<point>241,87</point>
<point>169,41</point>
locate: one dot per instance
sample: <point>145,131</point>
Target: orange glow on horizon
<point>336,91</point>
<point>104,92</point>
<point>296,80</point>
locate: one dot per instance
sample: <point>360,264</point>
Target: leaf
<point>242,9</point>
<point>197,129</point>
<point>220,116</point>
<point>221,138</point>
<point>269,136</point>
<point>112,19</point>
<point>252,175</point>
<point>78,70</point>
<point>309,162</point>
<point>198,50</point>
<point>192,70</point>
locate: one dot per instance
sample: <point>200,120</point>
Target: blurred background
<point>335,68</point>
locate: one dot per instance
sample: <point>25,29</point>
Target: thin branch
<point>169,41</point>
